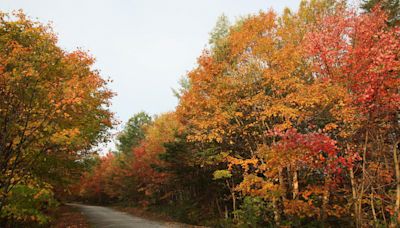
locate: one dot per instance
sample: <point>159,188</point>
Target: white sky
<point>144,46</point>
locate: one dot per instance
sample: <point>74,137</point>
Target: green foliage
<point>220,30</point>
<point>251,212</point>
<point>220,174</point>
<point>218,41</point>
<point>133,132</point>
<point>392,8</point>
<point>28,203</point>
<point>184,85</point>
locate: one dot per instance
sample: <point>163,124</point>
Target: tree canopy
<point>53,110</point>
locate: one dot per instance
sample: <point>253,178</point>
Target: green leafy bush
<point>29,203</point>
<point>251,212</point>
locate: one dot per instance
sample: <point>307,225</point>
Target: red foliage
<point>316,150</point>
<point>361,52</point>
<point>94,184</point>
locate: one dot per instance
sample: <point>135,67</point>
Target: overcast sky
<point>144,46</point>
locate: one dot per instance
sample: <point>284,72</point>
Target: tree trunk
<point>282,184</point>
<point>218,207</point>
<point>373,207</point>
<point>277,216</point>
<point>232,190</point>
<point>397,170</point>
<point>325,200</point>
<point>355,200</point>
<point>383,213</point>
<point>364,173</point>
<point>295,184</point>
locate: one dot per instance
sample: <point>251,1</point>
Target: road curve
<point>103,217</point>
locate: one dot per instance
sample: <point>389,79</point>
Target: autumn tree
<point>146,155</point>
<point>134,177</point>
<point>53,107</point>
<point>260,83</point>
<point>360,53</point>
<point>287,120</point>
<point>392,8</point>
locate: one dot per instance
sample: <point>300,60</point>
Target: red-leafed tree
<point>93,184</point>
<point>361,53</point>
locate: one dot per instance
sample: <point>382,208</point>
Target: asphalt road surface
<point>106,217</point>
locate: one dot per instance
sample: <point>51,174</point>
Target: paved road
<point>105,217</point>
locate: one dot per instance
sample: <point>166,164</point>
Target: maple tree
<point>361,53</point>
<point>53,106</point>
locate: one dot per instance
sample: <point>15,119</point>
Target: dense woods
<point>289,119</point>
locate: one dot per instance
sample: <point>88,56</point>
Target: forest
<point>289,119</point>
